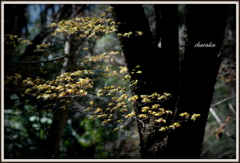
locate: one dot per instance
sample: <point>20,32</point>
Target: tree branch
<point>15,140</point>
<point>215,116</point>
<point>80,43</point>
<point>231,108</point>
<point>39,120</point>
<point>58,58</point>
<point>220,123</point>
<point>223,100</point>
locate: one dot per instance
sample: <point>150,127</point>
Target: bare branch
<point>224,154</point>
<point>58,58</point>
<point>39,120</point>
<point>231,108</point>
<point>216,116</point>
<point>220,122</point>
<point>223,100</point>
<point>15,140</point>
<point>80,43</point>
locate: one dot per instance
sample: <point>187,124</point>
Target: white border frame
<point>122,2</point>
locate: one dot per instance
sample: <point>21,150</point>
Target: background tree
<point>27,119</point>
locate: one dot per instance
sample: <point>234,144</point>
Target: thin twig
<point>220,122</point>
<point>74,51</point>
<point>15,140</point>
<point>231,108</point>
<point>224,154</point>
<point>223,100</point>
<point>74,64</point>
<point>58,58</point>
<point>216,116</point>
<point>80,43</point>
<point>141,122</point>
<point>39,120</point>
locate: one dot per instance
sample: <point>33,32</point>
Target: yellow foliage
<point>155,106</point>
<point>77,83</point>
<point>99,110</point>
<point>133,113</point>
<point>145,109</point>
<point>133,98</point>
<point>143,116</point>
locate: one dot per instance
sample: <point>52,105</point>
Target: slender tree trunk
<point>59,119</point>
<point>61,115</point>
<point>55,134</point>
<point>160,72</point>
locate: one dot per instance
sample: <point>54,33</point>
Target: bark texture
<point>55,134</point>
<point>161,71</point>
<point>159,68</point>
<point>199,68</point>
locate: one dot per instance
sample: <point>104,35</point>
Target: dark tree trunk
<point>14,19</point>
<point>160,71</point>
<point>55,134</point>
<point>199,68</point>
<point>159,68</point>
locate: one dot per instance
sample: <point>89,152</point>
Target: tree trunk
<point>14,19</point>
<point>160,72</point>
<point>55,134</point>
<point>199,68</point>
<point>158,69</point>
<point>61,116</point>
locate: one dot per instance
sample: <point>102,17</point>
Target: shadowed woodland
<point>99,81</point>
